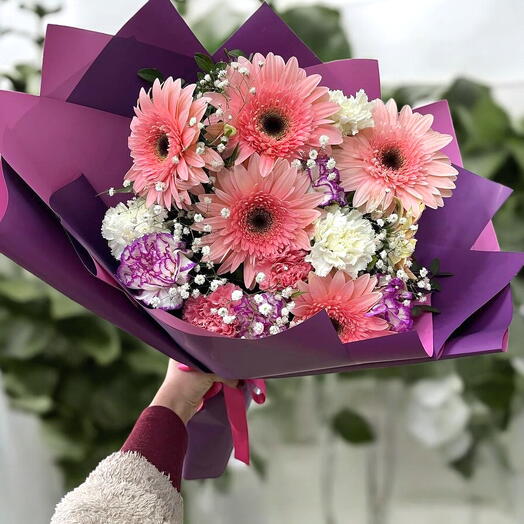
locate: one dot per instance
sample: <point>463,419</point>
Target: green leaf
<point>467,463</point>
<point>421,308</point>
<point>492,380</point>
<point>492,124</point>
<point>259,464</point>
<point>352,427</point>
<point>143,359</point>
<point>150,75</point>
<point>38,379</point>
<point>39,405</point>
<point>485,163</point>
<point>204,62</point>
<point>434,267</point>
<point>516,147</point>
<point>22,289</point>
<point>116,401</point>
<point>62,444</point>
<point>464,92</point>
<point>63,307</point>
<point>24,339</point>
<point>93,336</point>
<point>234,53</point>
<point>320,28</point>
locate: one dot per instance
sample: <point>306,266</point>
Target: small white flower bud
<point>237,294</point>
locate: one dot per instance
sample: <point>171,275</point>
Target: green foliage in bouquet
<point>88,381</point>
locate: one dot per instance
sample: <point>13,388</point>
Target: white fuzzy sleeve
<point>124,489</point>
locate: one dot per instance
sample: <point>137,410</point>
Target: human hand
<point>183,391</point>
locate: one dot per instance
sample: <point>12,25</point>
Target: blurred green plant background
<point>88,381</point>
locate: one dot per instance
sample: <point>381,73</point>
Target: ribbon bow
<point>235,401</point>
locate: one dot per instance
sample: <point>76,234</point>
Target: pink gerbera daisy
<point>346,301</point>
<point>277,110</point>
<point>168,161</point>
<point>400,158</point>
<point>255,218</point>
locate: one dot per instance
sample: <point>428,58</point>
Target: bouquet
<point>254,213</point>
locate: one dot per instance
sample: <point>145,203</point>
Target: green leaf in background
<point>321,29</point>
<point>485,163</point>
<point>22,289</point>
<point>141,359</point>
<point>491,380</point>
<point>465,465</point>
<point>92,336</point>
<point>63,445</point>
<point>23,339</point>
<point>465,92</point>
<point>492,124</point>
<point>352,427</point>
<point>63,307</point>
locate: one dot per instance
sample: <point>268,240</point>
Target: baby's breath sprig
<point>212,77</point>
<point>126,188</point>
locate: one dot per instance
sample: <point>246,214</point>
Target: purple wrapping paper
<point>62,148</point>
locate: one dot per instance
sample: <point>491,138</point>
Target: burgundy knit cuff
<point>161,437</point>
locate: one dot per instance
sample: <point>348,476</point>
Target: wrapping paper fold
<point>62,149</point>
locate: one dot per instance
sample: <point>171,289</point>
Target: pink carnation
<point>202,311</point>
<point>285,270</point>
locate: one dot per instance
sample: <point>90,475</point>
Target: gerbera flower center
<point>337,325</point>
<point>259,220</point>
<point>391,157</point>
<point>162,146</point>
<point>273,123</point>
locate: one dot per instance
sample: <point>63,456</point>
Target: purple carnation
<point>395,306</point>
<point>157,265</point>
<point>326,180</point>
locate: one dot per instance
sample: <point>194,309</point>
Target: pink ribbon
<point>236,410</point>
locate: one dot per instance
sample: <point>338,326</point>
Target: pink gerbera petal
<point>255,218</point>
<point>277,110</point>
<point>347,303</point>
<point>167,164</point>
<point>399,158</point>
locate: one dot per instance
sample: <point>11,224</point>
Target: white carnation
<point>124,223</point>
<point>343,240</point>
<point>355,112</point>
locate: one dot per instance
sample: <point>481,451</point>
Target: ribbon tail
<point>236,413</point>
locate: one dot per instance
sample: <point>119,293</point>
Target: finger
<point>227,381</point>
